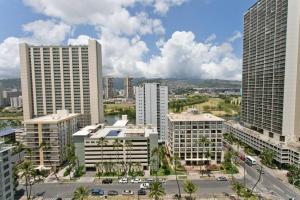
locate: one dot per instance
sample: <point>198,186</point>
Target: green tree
<point>116,146</point>
<point>203,141</point>
<point>176,161</point>
<point>27,172</point>
<point>128,145</point>
<point>267,156</point>
<point>190,188</point>
<point>81,193</point>
<point>101,142</point>
<point>46,147</point>
<point>156,190</point>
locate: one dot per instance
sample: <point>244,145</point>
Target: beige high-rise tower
<point>62,78</point>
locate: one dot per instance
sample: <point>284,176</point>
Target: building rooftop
<point>61,115</point>
<point>7,131</point>
<point>99,131</point>
<point>193,115</point>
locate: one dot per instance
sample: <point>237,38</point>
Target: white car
<point>145,186</point>
<point>123,180</point>
<point>136,180</point>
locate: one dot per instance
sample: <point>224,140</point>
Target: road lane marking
<point>278,188</point>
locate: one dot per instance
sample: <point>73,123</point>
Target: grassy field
<point>218,107</point>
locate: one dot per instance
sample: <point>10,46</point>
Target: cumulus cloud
<point>163,6</point>
<point>113,15</point>
<point>47,31</point>
<point>9,58</point>
<point>180,57</point>
<point>183,57</point>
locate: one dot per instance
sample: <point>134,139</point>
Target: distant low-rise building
<point>196,138</point>
<point>117,144</point>
<point>55,131</point>
<point>6,179</point>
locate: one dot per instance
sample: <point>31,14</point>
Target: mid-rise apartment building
<point>62,78</point>
<point>117,144</point>
<point>196,138</point>
<point>55,132</point>
<point>271,71</point>
<point>6,177</point>
<point>151,101</point>
<point>108,87</point>
<point>128,88</point>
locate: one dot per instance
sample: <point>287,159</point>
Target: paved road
<point>269,184</point>
<point>53,190</point>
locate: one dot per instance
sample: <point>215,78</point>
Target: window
<point>271,135</point>
<point>282,138</point>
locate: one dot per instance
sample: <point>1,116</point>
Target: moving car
<point>123,180</point>
<point>128,192</point>
<point>221,178</point>
<point>135,180</point>
<point>107,181</point>
<point>142,192</point>
<point>145,186</point>
<point>112,193</point>
<point>97,192</point>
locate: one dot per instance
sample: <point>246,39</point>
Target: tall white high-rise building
<point>62,78</point>
<point>152,107</point>
<point>6,175</point>
<point>128,88</point>
<point>271,79</point>
<point>108,87</point>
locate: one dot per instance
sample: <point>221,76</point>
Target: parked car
<point>162,180</point>
<point>142,192</point>
<point>123,180</point>
<point>128,192</point>
<point>145,186</point>
<point>112,193</point>
<point>148,180</point>
<point>97,192</point>
<point>107,181</point>
<point>135,180</point>
<point>221,178</point>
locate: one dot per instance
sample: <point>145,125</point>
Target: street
<point>268,184</point>
<point>53,190</point>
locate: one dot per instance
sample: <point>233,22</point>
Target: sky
<point>199,39</point>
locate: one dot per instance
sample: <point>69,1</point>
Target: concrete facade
<point>6,179</point>
<point>271,69</point>
<point>53,130</point>
<point>121,144</point>
<point>185,132</point>
<point>152,107</point>
<point>62,78</point>
<point>271,73</point>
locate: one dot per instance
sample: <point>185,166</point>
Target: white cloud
<point>163,6</point>
<point>237,35</point>
<point>47,31</point>
<point>180,57</point>
<point>9,58</point>
<point>113,15</point>
<point>211,38</point>
<point>183,57</point>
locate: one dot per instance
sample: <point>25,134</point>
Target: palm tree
<point>102,142</point>
<point>29,152</point>
<point>176,160</point>
<point>27,171</point>
<point>128,145</point>
<point>190,188</point>
<point>267,156</point>
<point>19,149</point>
<point>45,146</point>
<point>116,146</point>
<point>81,193</point>
<point>203,141</point>
<point>156,190</point>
